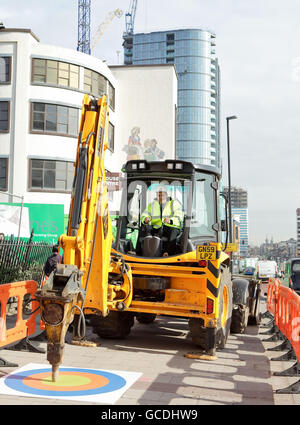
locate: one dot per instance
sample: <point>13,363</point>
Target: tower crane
<point>103,26</point>
<point>130,17</point>
<point>84,26</point>
<point>85,45</point>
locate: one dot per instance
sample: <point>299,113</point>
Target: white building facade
<point>41,94</point>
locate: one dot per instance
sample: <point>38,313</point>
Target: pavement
<point>241,375</point>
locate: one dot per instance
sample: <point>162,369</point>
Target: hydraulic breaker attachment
<point>58,299</point>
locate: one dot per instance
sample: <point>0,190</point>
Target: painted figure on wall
<point>133,148</point>
<point>149,151</point>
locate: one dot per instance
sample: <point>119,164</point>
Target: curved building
<point>192,51</point>
<point>41,93</point>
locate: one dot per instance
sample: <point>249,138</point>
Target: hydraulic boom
<point>81,284</point>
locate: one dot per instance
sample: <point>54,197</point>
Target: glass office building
<point>244,230</point>
<point>192,51</point>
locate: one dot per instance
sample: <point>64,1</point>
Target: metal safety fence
<point>22,259</point>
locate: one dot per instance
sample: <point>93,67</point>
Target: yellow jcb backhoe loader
<point>112,282</point>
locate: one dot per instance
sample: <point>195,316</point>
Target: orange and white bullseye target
<point>73,383</point>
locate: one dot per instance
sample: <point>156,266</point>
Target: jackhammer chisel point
<point>54,373</point>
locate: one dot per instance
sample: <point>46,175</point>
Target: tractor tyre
<point>198,332</point>
<point>116,325</point>
<point>145,318</point>
<point>239,322</point>
<point>256,318</point>
<point>225,309</point>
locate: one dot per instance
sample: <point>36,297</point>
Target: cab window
<point>204,208</point>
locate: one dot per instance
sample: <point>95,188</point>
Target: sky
<point>257,43</point>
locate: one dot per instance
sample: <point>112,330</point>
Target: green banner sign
<point>46,220</point>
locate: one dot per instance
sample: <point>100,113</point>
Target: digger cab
<point>194,192</point>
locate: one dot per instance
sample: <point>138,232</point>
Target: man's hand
<point>147,220</point>
<point>166,220</point>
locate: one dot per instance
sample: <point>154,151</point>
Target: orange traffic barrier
<point>23,327</point>
<point>272,297</point>
<point>289,317</point>
<point>284,304</point>
<point>284,311</point>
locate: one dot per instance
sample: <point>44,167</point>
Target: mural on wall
<point>147,150</point>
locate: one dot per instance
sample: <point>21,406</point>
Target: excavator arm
<point>91,280</point>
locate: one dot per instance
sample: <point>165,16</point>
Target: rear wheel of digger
<point>239,322</point>
<point>225,309</point>
<point>198,332</point>
<point>256,319</point>
<point>145,318</point>
<point>116,325</point>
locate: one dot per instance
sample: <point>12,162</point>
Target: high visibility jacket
<point>171,209</point>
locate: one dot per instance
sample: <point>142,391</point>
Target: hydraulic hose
<point>80,324</point>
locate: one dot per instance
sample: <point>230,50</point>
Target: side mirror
<point>224,225</point>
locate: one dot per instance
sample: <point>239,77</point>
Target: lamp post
<point>233,117</point>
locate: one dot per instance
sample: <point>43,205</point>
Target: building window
<point>111,96</point>
<point>55,73</point>
<point>3,173</point>
<point>111,137</point>
<point>5,70</point>
<point>4,117</point>
<point>56,119</point>
<point>94,83</point>
<point>51,175</point>
<point>97,85</point>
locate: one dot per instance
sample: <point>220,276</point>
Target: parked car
<point>249,270</point>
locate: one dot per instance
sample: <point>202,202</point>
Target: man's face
<point>162,196</point>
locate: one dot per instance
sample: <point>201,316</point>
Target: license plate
<point>206,252</point>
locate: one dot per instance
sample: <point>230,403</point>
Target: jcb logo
<point>296,330</point>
